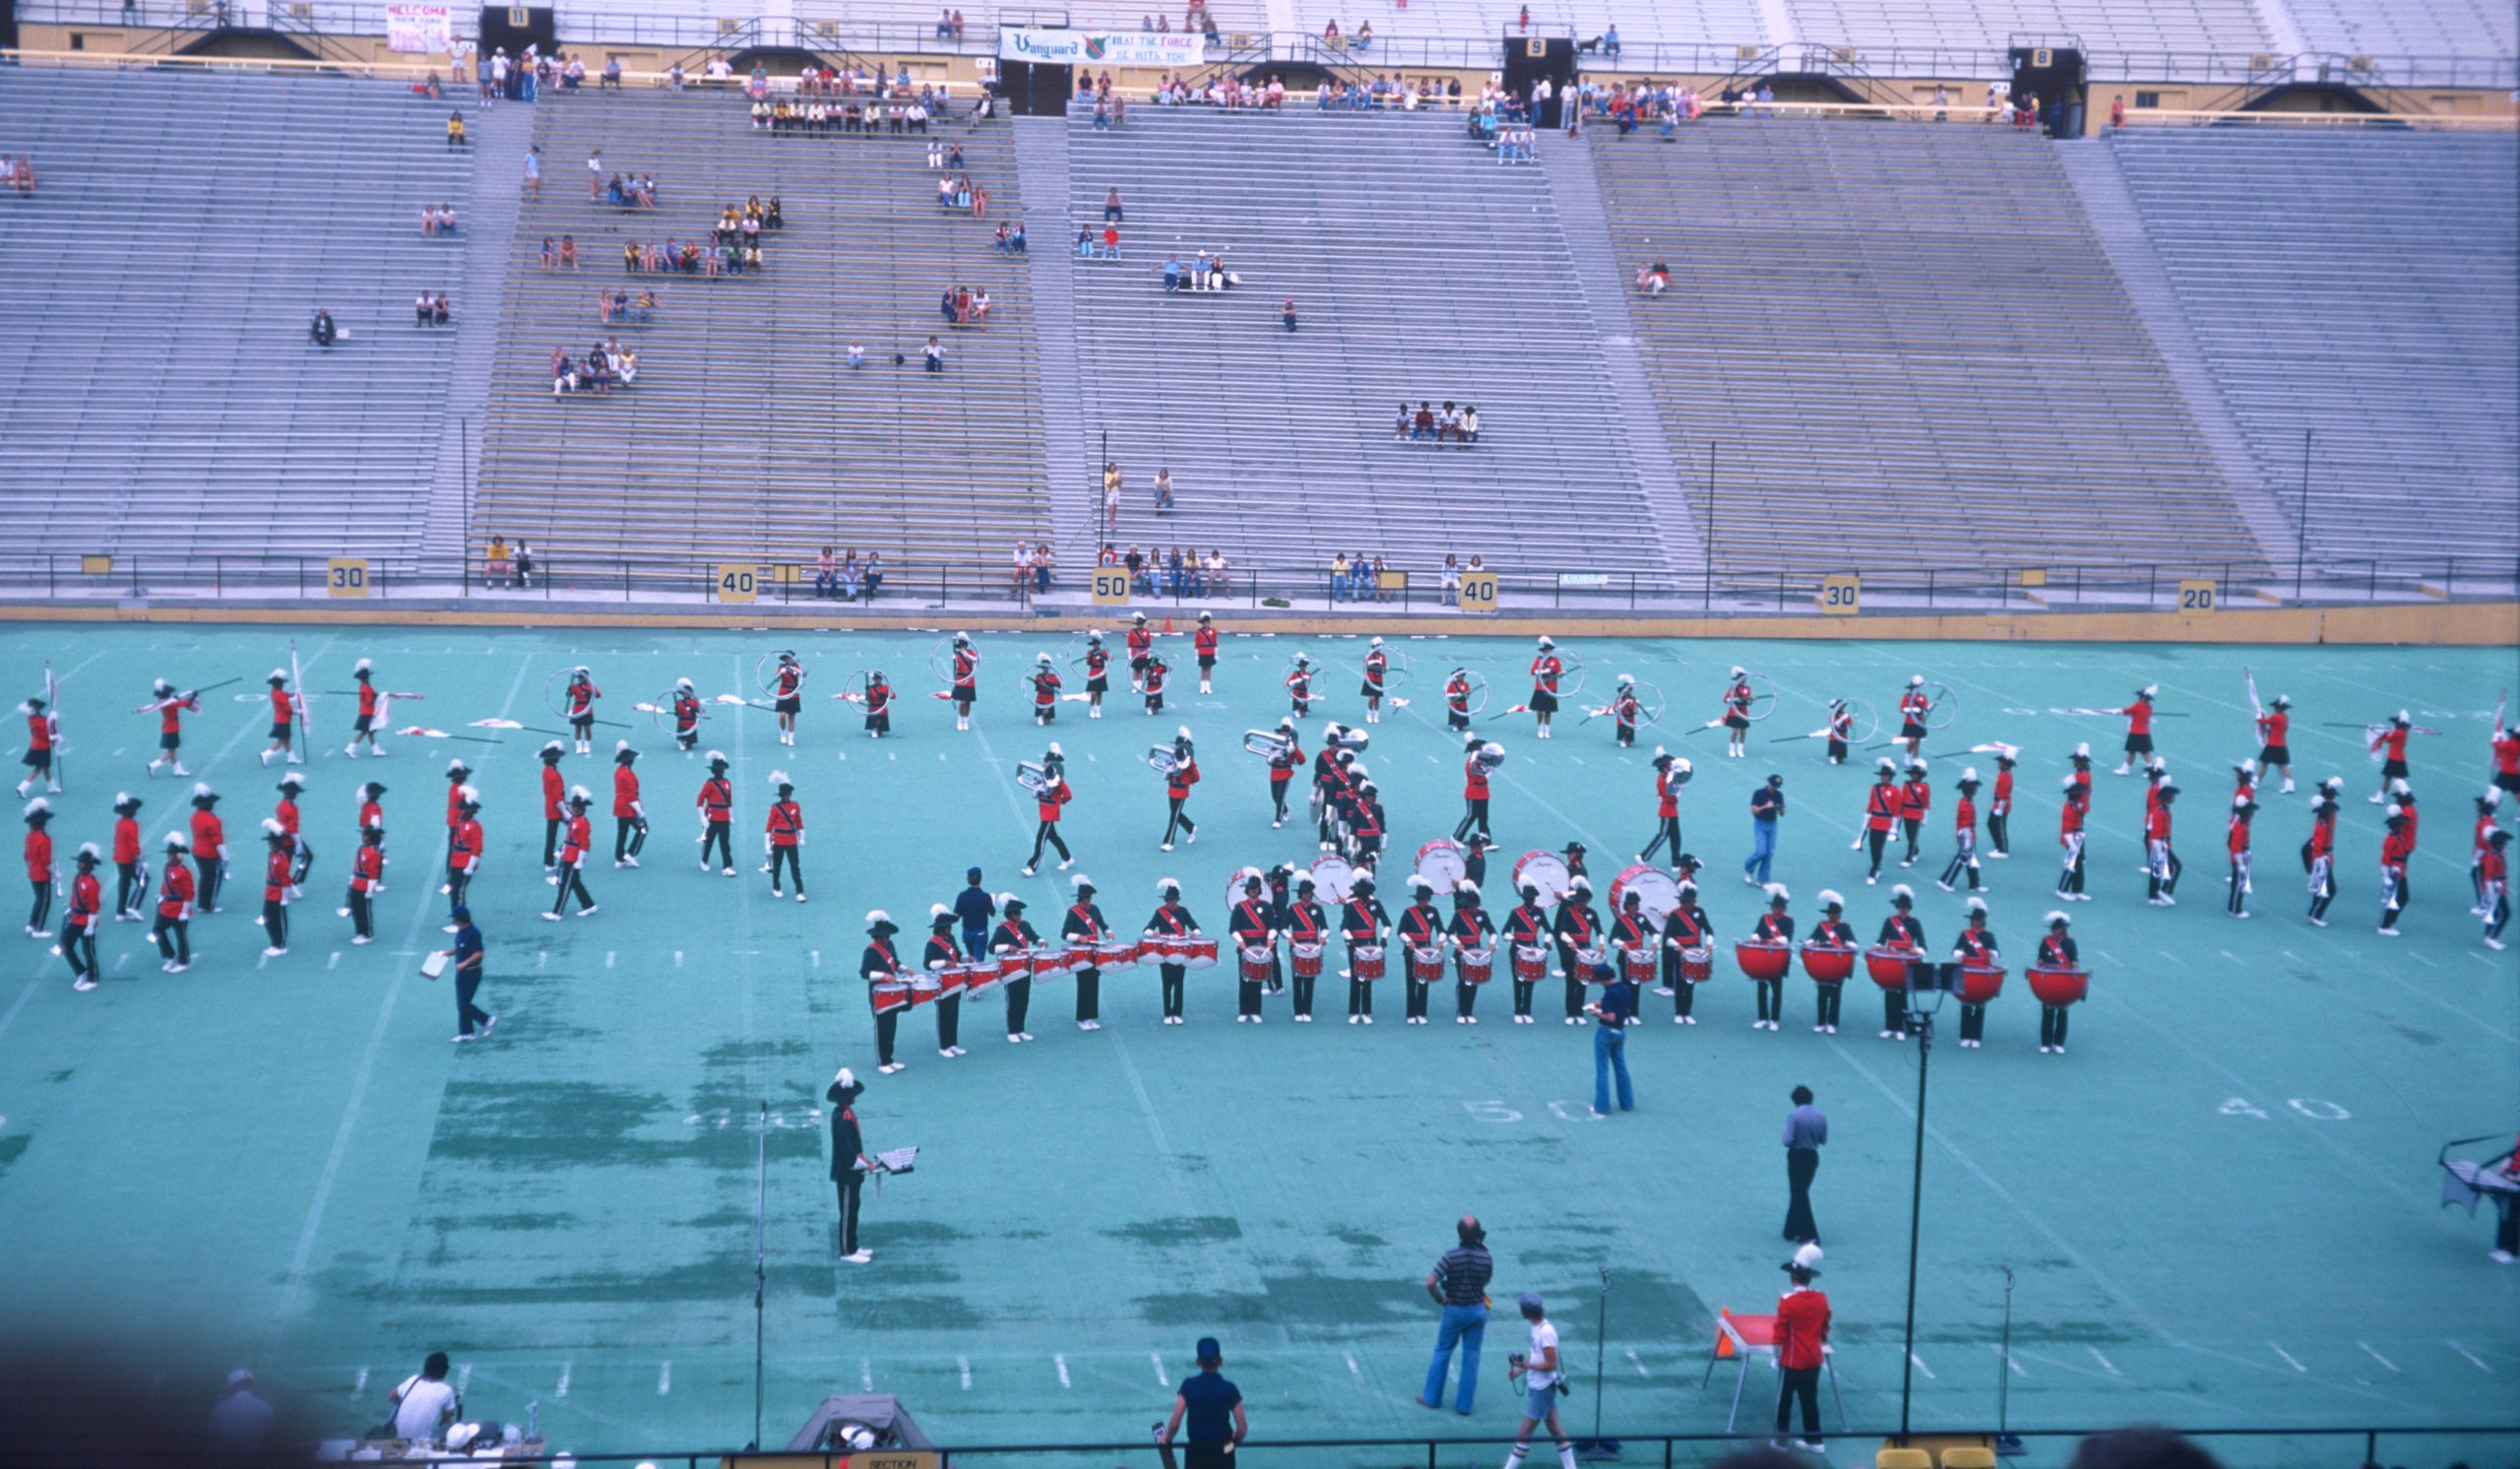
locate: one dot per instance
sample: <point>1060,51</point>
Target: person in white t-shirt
<point>424,1404</point>
<point>1539,1369</point>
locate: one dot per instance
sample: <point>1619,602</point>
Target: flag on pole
<point>52,715</point>
<point>298,701</point>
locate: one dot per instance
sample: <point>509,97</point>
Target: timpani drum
<point>1828,962</point>
<point>2058,987</point>
<point>1979,982</point>
<point>1889,968</point>
<point>1763,959</point>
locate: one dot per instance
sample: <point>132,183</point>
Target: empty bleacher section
<point>1641,23</point>
<point>1421,271</point>
<point>2362,286</point>
<point>2188,28</point>
<point>2397,28</point>
<point>1908,349</point>
<point>747,432</point>
<point>162,394</point>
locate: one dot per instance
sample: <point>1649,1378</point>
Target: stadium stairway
<point>1422,271</point>
<point>1040,152</point>
<point>1910,349</point>
<point>499,138</point>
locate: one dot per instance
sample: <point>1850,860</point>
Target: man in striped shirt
<point>1459,1284</point>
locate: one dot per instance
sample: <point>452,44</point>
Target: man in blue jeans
<point>1767,803</point>
<point>1616,1012</point>
<point>1459,1284</point>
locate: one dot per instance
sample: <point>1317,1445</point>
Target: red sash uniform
<point>717,799</point>
<point>1141,644</point>
<point>1473,779</point>
<point>1913,706</point>
<point>686,715</point>
<point>1545,671</point>
<point>2139,718</point>
<point>170,715</point>
<point>2236,840</point>
<point>625,793</point>
<point>2323,837</point>
<point>1666,796</point>
<point>789,679</point>
<point>967,673</point>
<point>2156,824</point>
<point>785,824</point>
<point>1204,643</point>
<point>2069,817</point>
<point>577,841</point>
<point>1457,695</point>
<point>275,876</point>
<point>2393,743</point>
<point>463,852</point>
<point>582,697</point>
<point>86,900</point>
<point>2273,726</point>
<point>1046,689</point>
<point>38,856</point>
<point>1177,784</point>
<point>1282,768</point>
<point>1916,798</point>
<point>283,712</point>
<point>1964,817</point>
<point>1047,803</point>
<point>367,869</point>
<point>2001,803</point>
<point>1154,679</point>
<point>286,813</point>
<point>176,890</point>
<point>1097,664</point>
<point>126,840</point>
<point>209,836</point>
<point>367,701</point>
<point>1881,808</point>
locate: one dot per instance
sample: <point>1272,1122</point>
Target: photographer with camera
<point>1543,1381</point>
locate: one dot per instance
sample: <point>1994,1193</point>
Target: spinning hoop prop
<point>1477,701</point>
<point>765,672</point>
<point>1762,696</point>
<point>1946,707</point>
<point>555,691</point>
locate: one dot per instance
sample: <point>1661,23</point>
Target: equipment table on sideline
<point>1743,1337</point>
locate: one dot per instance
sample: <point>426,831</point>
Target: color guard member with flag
<point>579,700</point>
<point>1141,644</point>
<point>1377,677</point>
<point>284,730</point>
<point>2274,739</point>
<point>2387,744</point>
<point>371,705</point>
<point>1914,707</point>
<point>1738,698</point>
<point>43,735</point>
<point>1098,675</point>
<point>171,705</point>
<point>2139,728</point>
<point>1457,700</point>
<point>2162,865</point>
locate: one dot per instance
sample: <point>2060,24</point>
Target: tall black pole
<point>760,1258</point>
<point>1915,1216</point>
<point>2301,550</point>
<point>1709,528</point>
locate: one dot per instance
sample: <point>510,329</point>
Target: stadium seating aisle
<point>163,394</point>
<point>1910,349</point>
<point>748,433</point>
<point>1422,272</point>
<point>2386,327</point>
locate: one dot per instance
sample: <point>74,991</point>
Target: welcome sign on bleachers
<point>1090,49</point>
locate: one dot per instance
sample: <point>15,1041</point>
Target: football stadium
<point>803,809</point>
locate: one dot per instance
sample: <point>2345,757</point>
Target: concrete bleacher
<point>162,396</point>
<point>747,433</point>
<point>1641,23</point>
<point>2362,286</point>
<point>2188,28</point>
<point>1422,270</point>
<point>1908,349</point>
<point>2408,27</point>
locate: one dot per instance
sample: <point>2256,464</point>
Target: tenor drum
<point>2058,987</point>
<point>1478,966</point>
<point>888,997</point>
<point>1306,960</point>
<point>1255,963</point>
<point>1827,964</point>
<point>1110,958</point>
<point>1636,963</point>
<point>1425,966</point>
<point>1657,892</point>
<point>975,976</point>
<point>1012,967</point>
<point>1979,982</point>
<point>1333,878</point>
<point>1889,968</point>
<point>1697,965</point>
<point>1763,958</point>
<point>1440,862</point>
<point>954,978</point>
<point>1545,870</point>
<point>924,988</point>
<point>1051,963</point>
<point>1531,964</point>
<point>1366,961</point>
<point>1198,953</point>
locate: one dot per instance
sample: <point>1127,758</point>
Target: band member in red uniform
<point>1738,698</point>
<point>1158,671</point>
<point>367,870</point>
<point>2070,815</point>
<point>1546,669</point>
<point>576,840</point>
<point>1684,928</point>
<point>579,700</point>
<point>38,855</point>
<point>1141,644</point>
<point>942,952</point>
<point>1098,675</point>
<point>967,679</point>
<point>629,813</point>
<point>1282,771</point>
<point>1475,765</point>
<point>1457,700</point>
<point>2160,864</point>
<point>131,889</point>
<point>1775,926</point>
<point>2055,951</point>
<point>1575,925</point>
<point>1203,641</point>
<point>1254,924</point>
<point>2235,841</point>
<point>463,848</point>
<point>1300,685</point>
<point>1305,922</point>
<point>1045,681</point>
<point>880,966</point>
<point>1975,943</point>
<point>1999,809</point>
<point>1015,935</point>
<point>277,862</point>
<point>716,806</point>
<point>1902,932</point>
<point>1470,927</point>
<point>79,928</point>
<point>2139,728</point>
<point>173,705</point>
<point>284,730</point>
<point>1964,834</point>
<point>2506,750</point>
<point>372,807</point>
<point>1363,924</point>
<point>370,705</point>
<point>44,732</point>
<point>2396,849</point>
<point>555,802</point>
<point>1841,730</point>
<point>1377,676</point>
<point>879,705</point>
<point>1627,712</point>
<point>1176,790</point>
<point>788,695</point>
<point>2482,837</point>
<point>302,856</point>
<point>686,717</point>
<point>1880,814</point>
<point>2390,745</point>
<point>2319,852</point>
<point>1671,773</point>
<point>1083,924</point>
<point>782,835</point>
<point>1913,709</point>
<point>2493,882</point>
<point>1916,799</point>
<point>1047,803</point>
<point>1420,928</point>
<point>1171,920</point>
<point>1832,931</point>
<point>2274,739</point>
<point>2402,799</point>
<point>175,909</point>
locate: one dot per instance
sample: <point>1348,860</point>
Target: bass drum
<point>1440,862</point>
<point>1657,892</point>
<point>1233,887</point>
<point>1545,870</point>
<point>1333,878</point>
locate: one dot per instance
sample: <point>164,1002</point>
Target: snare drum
<point>1477,965</point>
<point>1256,962</point>
<point>1531,964</point>
<point>1764,960</point>
<point>1425,966</point>
<point>1979,982</point>
<point>1366,961</point>
<point>1889,968</point>
<point>1110,958</point>
<point>1697,965</point>
<point>1306,960</point>
<point>2058,987</point>
<point>1827,964</point>
<point>1585,959</point>
<point>1198,953</point>
<point>1637,964</point>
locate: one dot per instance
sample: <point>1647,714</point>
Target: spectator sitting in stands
<point>612,73</point>
<point>979,307</point>
<point>428,219</point>
<point>825,575</point>
<point>568,252</point>
<point>999,243</point>
<point>322,331</point>
<point>1146,24</point>
<point>1339,576</point>
<point>1287,313</point>
<point>934,351</point>
<point>1044,562</point>
<point>1015,244</point>
<point>1654,278</point>
<point>1140,577</point>
<point>946,307</point>
<point>1171,273</point>
<point>564,373</point>
<point>1330,33</point>
<point>1470,422</point>
<point>1609,42</point>
<point>874,579</point>
<point>1365,37</point>
<point>1380,588</point>
<point>852,577</point>
<point>1400,426</point>
<point>1448,422</point>
<point>856,354</point>
<point>1450,583</point>
<point>761,117</point>
<point>550,256</point>
<point>1162,489</point>
<point>1112,214</point>
<point>1215,571</point>
<point>440,312</point>
<point>1422,426</point>
<point>454,143</point>
<point>501,570</point>
<point>644,310</point>
<point>944,24</point>
<point>1110,241</point>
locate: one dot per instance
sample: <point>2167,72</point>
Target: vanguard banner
<point>424,29</point>
<point>1084,49</point>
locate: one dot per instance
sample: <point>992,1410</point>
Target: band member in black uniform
<point>1573,857</point>
<point>942,951</point>
<point>1253,922</point>
<point>848,1161</point>
<point>879,705</point>
<point>1045,681</point>
<point>1362,922</point>
<point>1469,929</point>
<point>1098,675</point>
<point>1474,857</point>
<point>1630,930</point>
<point>1671,773</point>
<point>686,716</point>
<point>880,966</point>
<point>716,804</point>
<point>1775,926</point>
<point>967,678</point>
<point>1176,789</point>
<point>1282,771</point>
<point>1832,931</point>
<point>1157,672</point>
<point>2055,951</point>
<point>1575,925</point>
<point>1626,712</point>
<point>1330,800</point>
<point>1366,825</point>
<point>1457,700</point>
<point>1377,677</point>
<point>1203,641</point>
<point>1300,685</point>
<point>1421,926</point>
<point>1526,927</point>
<point>788,695</point>
<point>1475,765</point>
<point>1280,903</point>
<point>1171,920</point>
<point>1841,730</point>
<point>1974,942</point>
<point>1305,924</point>
<point>1685,926</point>
<point>1901,930</point>
<point>1014,935</point>
<point>1083,924</point>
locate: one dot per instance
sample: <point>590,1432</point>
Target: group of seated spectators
<point>560,257</point>
<point>432,310</point>
<point>1195,20</point>
<point>817,116</point>
<point>1654,279</point>
<point>691,258</point>
<point>963,306</point>
<point>1205,272</point>
<point>1363,40</point>
<point>957,191</point>
<point>1009,239</point>
<point>613,306</point>
<point>629,191</point>
<point>1662,105</point>
<point>437,219</point>
<point>944,155</point>
<point>1181,572</point>
<point>1357,578</point>
<point>845,578</point>
<point>1392,93</point>
<point>949,24</point>
<point>817,80</point>
<point>744,225</point>
<point>1429,423</point>
<point>1103,246</point>
<point>606,364</point>
<point>1034,564</point>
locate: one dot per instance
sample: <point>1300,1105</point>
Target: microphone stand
<point>1597,1448</point>
<point>760,1259</point>
<point>2006,1442</point>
